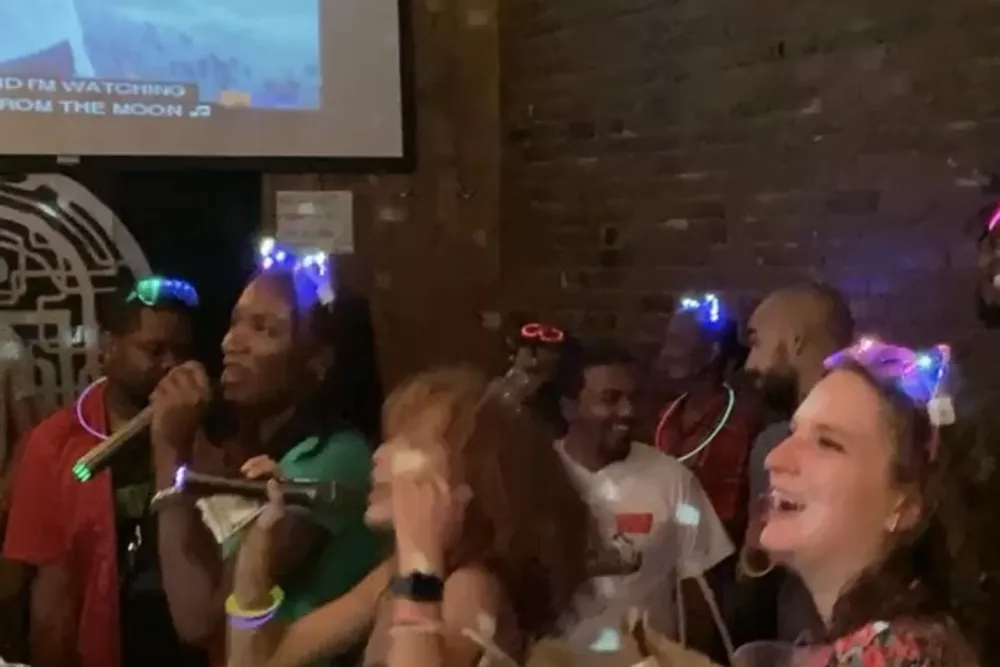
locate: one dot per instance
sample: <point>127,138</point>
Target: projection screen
<point>187,78</point>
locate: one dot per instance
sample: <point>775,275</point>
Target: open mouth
<point>232,372</point>
<point>782,504</point>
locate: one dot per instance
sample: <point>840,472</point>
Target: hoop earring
<point>749,570</point>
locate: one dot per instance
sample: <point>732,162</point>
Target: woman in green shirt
<point>283,384</point>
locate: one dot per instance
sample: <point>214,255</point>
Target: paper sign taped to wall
<point>320,220</point>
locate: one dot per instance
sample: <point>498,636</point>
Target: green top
<point>350,550</point>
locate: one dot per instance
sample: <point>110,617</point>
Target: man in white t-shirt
<point>653,509</point>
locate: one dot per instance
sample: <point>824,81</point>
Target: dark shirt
<point>148,638</point>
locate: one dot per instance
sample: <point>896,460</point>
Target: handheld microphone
<point>100,456</point>
<point>298,493</point>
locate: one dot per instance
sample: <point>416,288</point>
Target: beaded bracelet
<point>250,619</point>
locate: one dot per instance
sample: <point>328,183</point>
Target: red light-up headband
<point>542,333</point>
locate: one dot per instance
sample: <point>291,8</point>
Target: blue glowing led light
<point>707,308</point>
<point>153,290</point>
<point>310,270</point>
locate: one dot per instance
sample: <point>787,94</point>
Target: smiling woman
<point>867,504</point>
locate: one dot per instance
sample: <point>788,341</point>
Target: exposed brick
<point>853,202</point>
<point>741,146</point>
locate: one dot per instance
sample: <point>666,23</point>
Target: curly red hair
<point>526,523</point>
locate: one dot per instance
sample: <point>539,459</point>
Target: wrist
<point>409,561</point>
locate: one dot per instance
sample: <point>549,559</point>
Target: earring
<point>894,524</point>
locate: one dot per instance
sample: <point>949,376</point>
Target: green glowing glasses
<point>153,290</point>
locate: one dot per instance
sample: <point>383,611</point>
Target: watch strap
<point>418,587</point>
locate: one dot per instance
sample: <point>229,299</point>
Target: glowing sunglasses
<point>542,333</point>
<point>154,290</point>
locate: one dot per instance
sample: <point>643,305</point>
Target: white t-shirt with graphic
<point>654,504</point>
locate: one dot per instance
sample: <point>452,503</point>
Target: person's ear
<point>320,364</point>
<point>107,346</point>
<point>906,515</point>
<point>798,344</point>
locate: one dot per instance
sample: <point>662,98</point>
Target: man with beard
<point>92,546</point>
<point>652,509</point>
<point>791,333</point>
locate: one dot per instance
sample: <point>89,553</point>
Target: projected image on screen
<point>213,77</point>
<point>250,53</point>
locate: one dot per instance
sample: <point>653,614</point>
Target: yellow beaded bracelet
<point>234,609</point>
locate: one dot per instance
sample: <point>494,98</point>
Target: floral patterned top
<point>880,644</point>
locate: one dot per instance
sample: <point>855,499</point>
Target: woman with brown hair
<point>491,536</point>
<point>870,505</point>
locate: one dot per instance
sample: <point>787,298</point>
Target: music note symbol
<point>201,111</point>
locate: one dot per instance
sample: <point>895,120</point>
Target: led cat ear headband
<point>920,374</point>
<point>310,270</point>
<point>707,309</point>
<point>153,290</point>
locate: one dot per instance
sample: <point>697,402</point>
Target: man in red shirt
<point>96,598</point>
<point>710,427</point>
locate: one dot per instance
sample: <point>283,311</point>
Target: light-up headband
<point>154,290</point>
<point>920,374</point>
<point>310,270</point>
<point>536,332</point>
<point>707,309</point>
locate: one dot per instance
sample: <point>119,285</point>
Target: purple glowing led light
<point>994,220</point>
<point>180,477</point>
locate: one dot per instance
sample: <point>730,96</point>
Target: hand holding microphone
<point>178,406</point>
<point>174,414</point>
<point>263,467</point>
<point>265,485</point>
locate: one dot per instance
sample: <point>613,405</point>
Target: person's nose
<point>232,342</point>
<point>626,409</point>
<point>783,459</point>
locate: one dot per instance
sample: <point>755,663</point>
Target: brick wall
<point>656,146</point>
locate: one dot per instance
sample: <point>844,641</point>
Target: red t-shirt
<point>722,466</point>
<point>56,520</point>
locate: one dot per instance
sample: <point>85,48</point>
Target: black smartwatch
<point>418,587</point>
